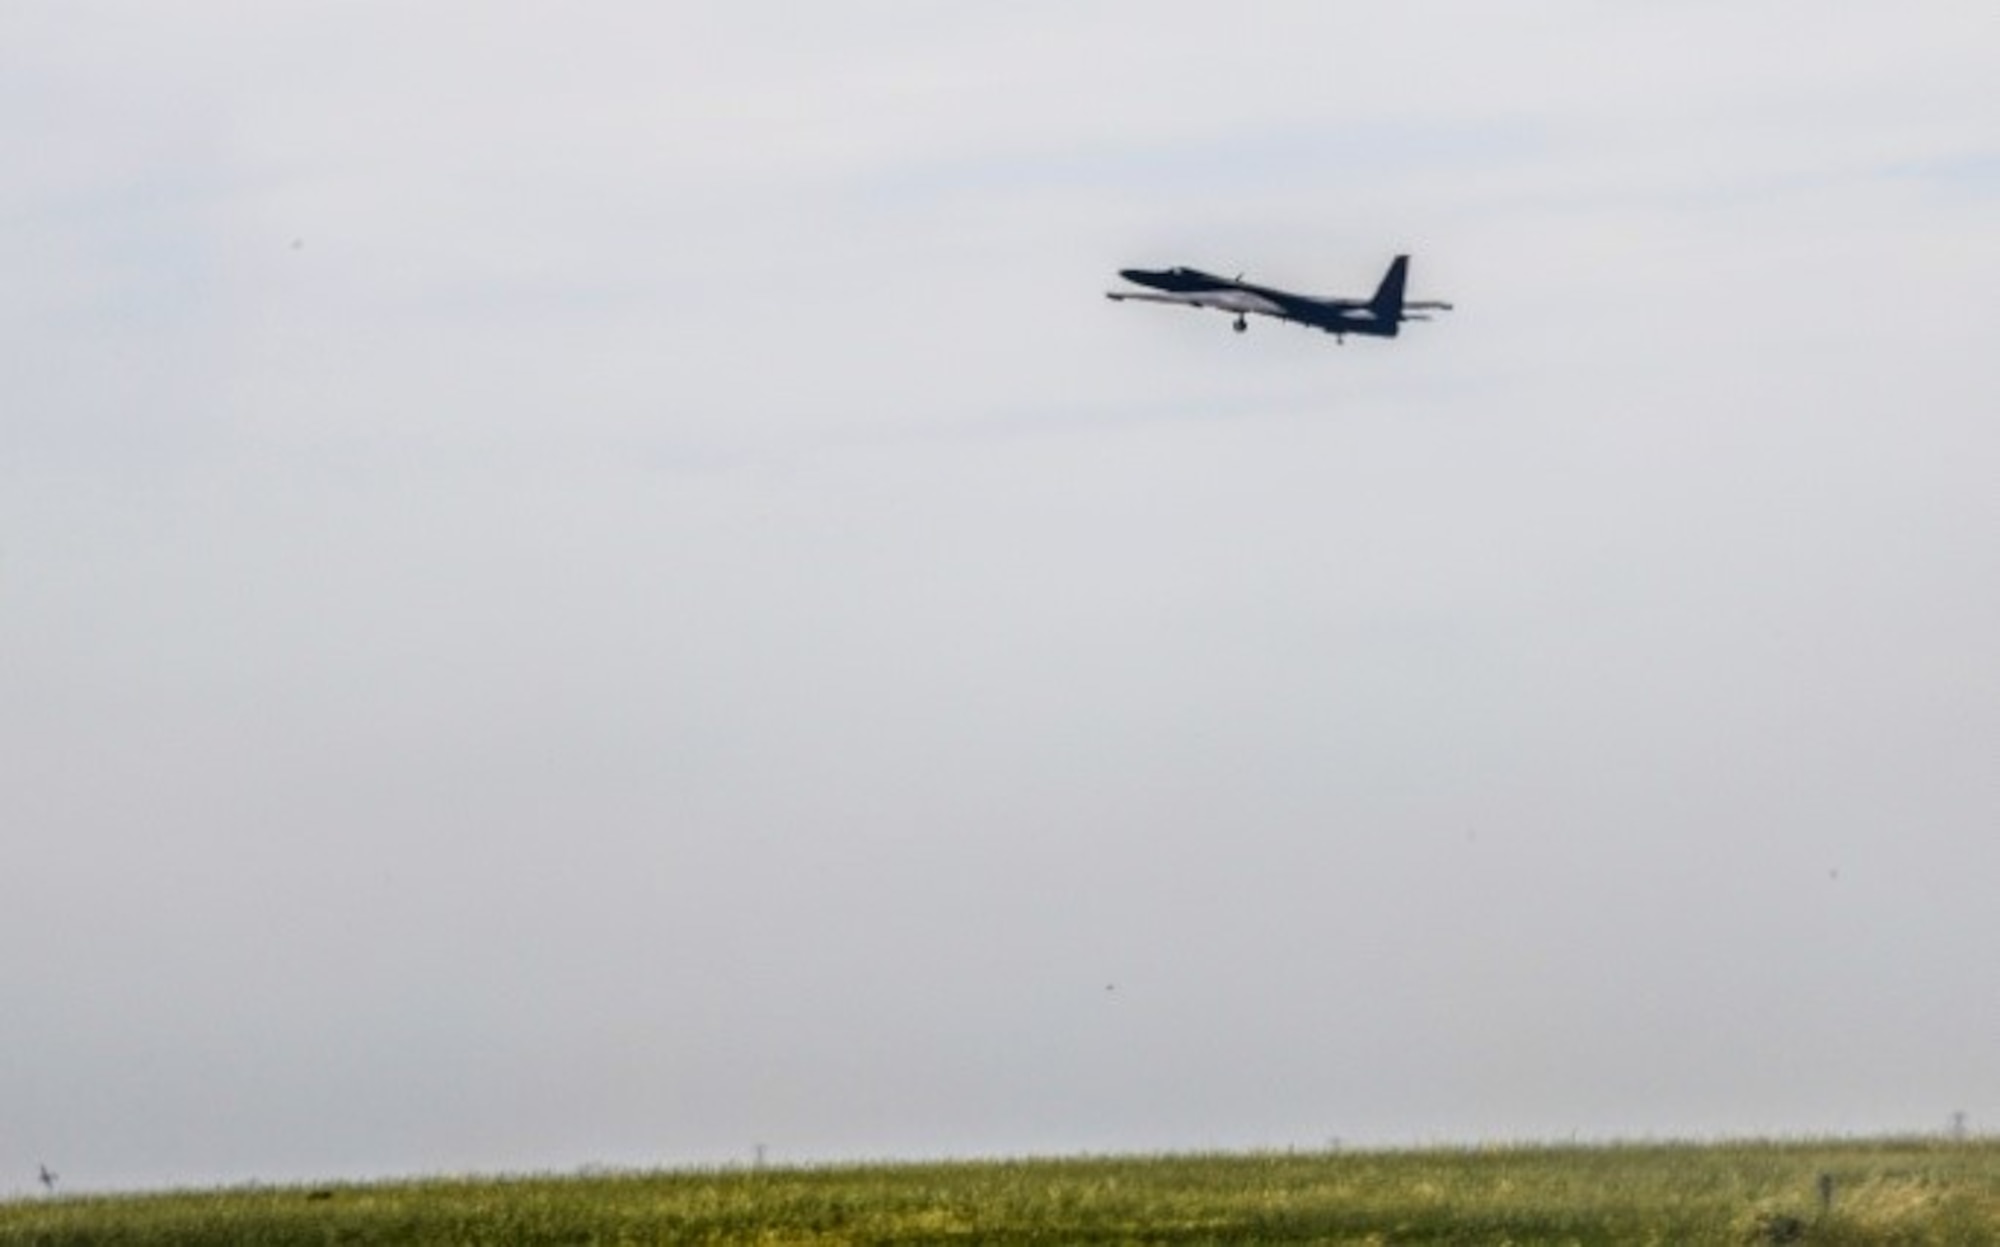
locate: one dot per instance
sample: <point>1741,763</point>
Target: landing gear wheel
<point>1241,324</point>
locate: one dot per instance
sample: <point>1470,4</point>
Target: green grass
<point>1909,1191</point>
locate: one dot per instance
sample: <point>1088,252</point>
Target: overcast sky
<point>599,584</point>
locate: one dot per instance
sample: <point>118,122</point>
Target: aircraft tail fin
<point>1388,301</point>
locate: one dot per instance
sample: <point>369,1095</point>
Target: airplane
<point>1377,316</point>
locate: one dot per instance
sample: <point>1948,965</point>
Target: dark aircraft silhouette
<point>1377,316</point>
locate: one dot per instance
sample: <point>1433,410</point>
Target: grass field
<point>1892,1191</point>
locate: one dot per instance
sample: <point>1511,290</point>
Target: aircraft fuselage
<point>1378,317</point>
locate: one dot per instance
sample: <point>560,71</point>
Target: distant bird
<point>298,244</point>
<point>48,1179</point>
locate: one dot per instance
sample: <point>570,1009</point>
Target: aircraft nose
<point>1140,276</point>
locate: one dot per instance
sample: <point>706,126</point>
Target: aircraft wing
<point>1232,298</point>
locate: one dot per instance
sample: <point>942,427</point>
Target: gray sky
<point>599,584</point>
